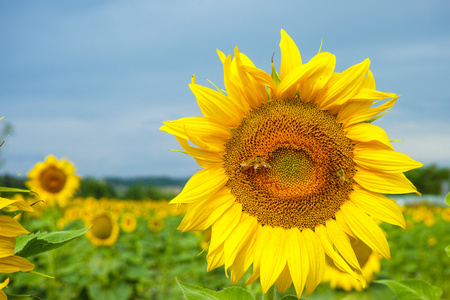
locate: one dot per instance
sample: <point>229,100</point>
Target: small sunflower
<point>105,229</point>
<point>54,180</point>
<point>369,261</point>
<point>155,224</point>
<point>128,222</point>
<point>292,168</point>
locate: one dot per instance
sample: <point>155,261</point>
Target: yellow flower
<point>54,180</point>
<point>431,240</point>
<point>105,229</point>
<point>155,224</point>
<point>128,222</point>
<point>291,168</point>
<point>367,259</point>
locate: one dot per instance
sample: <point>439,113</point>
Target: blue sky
<point>94,80</point>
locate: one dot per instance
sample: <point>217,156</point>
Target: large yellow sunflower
<point>291,168</point>
<point>54,180</point>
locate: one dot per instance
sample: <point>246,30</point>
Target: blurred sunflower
<point>105,229</point>
<point>293,167</point>
<point>155,224</point>
<point>128,222</point>
<point>54,180</point>
<point>369,261</point>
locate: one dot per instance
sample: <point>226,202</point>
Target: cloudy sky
<point>94,80</point>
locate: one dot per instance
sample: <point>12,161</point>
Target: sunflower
<point>128,222</point>
<point>292,168</point>
<point>54,180</point>
<point>155,224</point>
<point>369,261</point>
<point>105,229</point>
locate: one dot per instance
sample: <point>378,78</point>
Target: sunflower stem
<point>270,295</point>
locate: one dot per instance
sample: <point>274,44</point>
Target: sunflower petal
<point>284,281</point>
<point>225,225</point>
<point>215,259</point>
<point>11,228</point>
<point>384,183</point>
<point>378,206</point>
<point>15,263</point>
<point>342,87</point>
<point>201,185</point>
<point>321,232</point>
<point>243,260</point>
<point>204,158</point>
<point>290,55</point>
<point>366,229</point>
<point>366,132</point>
<point>356,112</point>
<point>217,106</point>
<point>240,236</point>
<point>381,160</point>
<point>342,243</point>
<point>316,256</point>
<point>298,260</point>
<point>365,94</point>
<point>204,213</point>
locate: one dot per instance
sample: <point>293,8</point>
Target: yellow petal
<point>384,183</point>
<point>343,224</point>
<point>321,232</point>
<point>381,160</point>
<point>356,112</point>
<point>240,236</point>
<point>378,206</point>
<point>316,260</point>
<point>243,260</point>
<point>202,185</point>
<point>20,204</point>
<point>369,81</point>
<point>204,213</point>
<point>342,243</point>
<point>273,258</point>
<point>311,87</point>
<point>342,87</point>
<point>14,263</point>
<point>7,245</point>
<point>204,158</point>
<point>11,228</point>
<point>366,229</point>
<point>4,283</point>
<point>365,94</point>
<point>263,78</point>
<point>217,106</point>
<point>260,243</point>
<point>232,80</point>
<point>315,67</point>
<point>284,281</point>
<point>215,258</point>
<point>225,225</point>
<point>221,55</point>
<point>207,130</point>
<point>290,55</point>
<point>366,132</point>
<point>298,260</point>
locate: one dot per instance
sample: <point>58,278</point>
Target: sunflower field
<point>134,251</point>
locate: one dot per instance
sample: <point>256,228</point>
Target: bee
<point>257,164</point>
<point>341,176</point>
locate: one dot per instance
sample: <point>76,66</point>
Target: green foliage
<point>192,292</point>
<point>36,243</point>
<point>413,289</point>
<point>428,179</point>
<point>91,187</point>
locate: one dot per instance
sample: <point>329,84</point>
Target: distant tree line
<point>428,180</point>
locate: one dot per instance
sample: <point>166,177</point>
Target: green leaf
<point>447,250</point>
<point>13,190</point>
<point>35,243</point>
<point>192,292</point>
<point>447,199</point>
<point>413,289</point>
